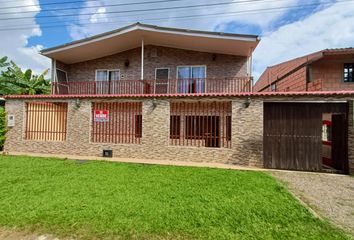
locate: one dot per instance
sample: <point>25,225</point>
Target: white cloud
<point>205,23</point>
<point>14,43</point>
<point>99,16</point>
<point>331,27</point>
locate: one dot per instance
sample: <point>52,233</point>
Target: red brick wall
<point>327,75</point>
<point>218,65</point>
<point>329,72</point>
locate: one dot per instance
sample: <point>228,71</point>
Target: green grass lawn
<point>112,200</point>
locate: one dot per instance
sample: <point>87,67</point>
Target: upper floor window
<point>273,87</point>
<point>106,81</point>
<point>348,72</point>
<point>107,75</point>
<point>191,79</point>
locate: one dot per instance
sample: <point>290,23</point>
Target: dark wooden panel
<point>339,142</point>
<point>292,134</point>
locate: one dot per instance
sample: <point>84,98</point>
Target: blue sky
<point>288,28</point>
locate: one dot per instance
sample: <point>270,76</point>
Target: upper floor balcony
<point>154,87</point>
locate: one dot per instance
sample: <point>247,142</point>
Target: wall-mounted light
<point>247,102</point>
<point>77,103</point>
<point>127,63</point>
<point>154,103</point>
<point>213,57</point>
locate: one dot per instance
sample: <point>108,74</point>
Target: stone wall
<point>247,131</point>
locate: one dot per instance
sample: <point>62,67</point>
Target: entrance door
<point>292,136</point>
<point>62,82</point>
<point>339,142</point>
<point>161,80</point>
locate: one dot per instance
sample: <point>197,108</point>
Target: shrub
<point>2,128</point>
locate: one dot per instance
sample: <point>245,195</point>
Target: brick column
<point>247,132</point>
<point>156,123</point>
<point>79,126</point>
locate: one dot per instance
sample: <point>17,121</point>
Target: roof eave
<point>139,26</point>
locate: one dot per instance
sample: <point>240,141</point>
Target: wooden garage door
<point>292,134</point>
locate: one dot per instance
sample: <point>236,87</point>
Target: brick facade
<point>247,131</point>
<point>308,73</point>
<point>218,65</point>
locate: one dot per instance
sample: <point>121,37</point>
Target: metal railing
<point>141,87</point>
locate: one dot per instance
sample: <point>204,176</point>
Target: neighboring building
<point>327,70</point>
<point>159,93</point>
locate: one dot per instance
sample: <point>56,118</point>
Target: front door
<point>161,80</point>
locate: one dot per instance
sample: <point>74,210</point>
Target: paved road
<point>330,195</point>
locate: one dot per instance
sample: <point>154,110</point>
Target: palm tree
<point>15,81</point>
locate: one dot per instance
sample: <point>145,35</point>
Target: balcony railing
<point>142,87</point>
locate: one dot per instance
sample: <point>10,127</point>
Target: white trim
<point>107,70</point>
<point>160,68</point>
<point>137,27</point>
<point>142,60</point>
<point>206,35</point>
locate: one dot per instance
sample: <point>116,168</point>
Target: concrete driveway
<point>331,196</point>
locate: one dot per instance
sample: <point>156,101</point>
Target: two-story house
<point>326,70</point>
<point>149,92</point>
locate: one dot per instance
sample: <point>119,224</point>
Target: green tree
<point>2,128</point>
<point>14,81</point>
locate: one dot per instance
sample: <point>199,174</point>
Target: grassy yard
<point>112,200</point>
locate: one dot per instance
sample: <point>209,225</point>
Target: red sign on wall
<point>101,116</point>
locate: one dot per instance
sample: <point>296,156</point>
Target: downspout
<point>250,70</point>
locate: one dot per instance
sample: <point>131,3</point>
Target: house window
<point>195,126</point>
<point>105,81</point>
<point>117,122</point>
<point>61,86</point>
<point>191,79</point>
<point>273,87</point>
<point>348,72</point>
<point>175,127</point>
<point>46,121</point>
<point>61,76</point>
<point>200,124</point>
